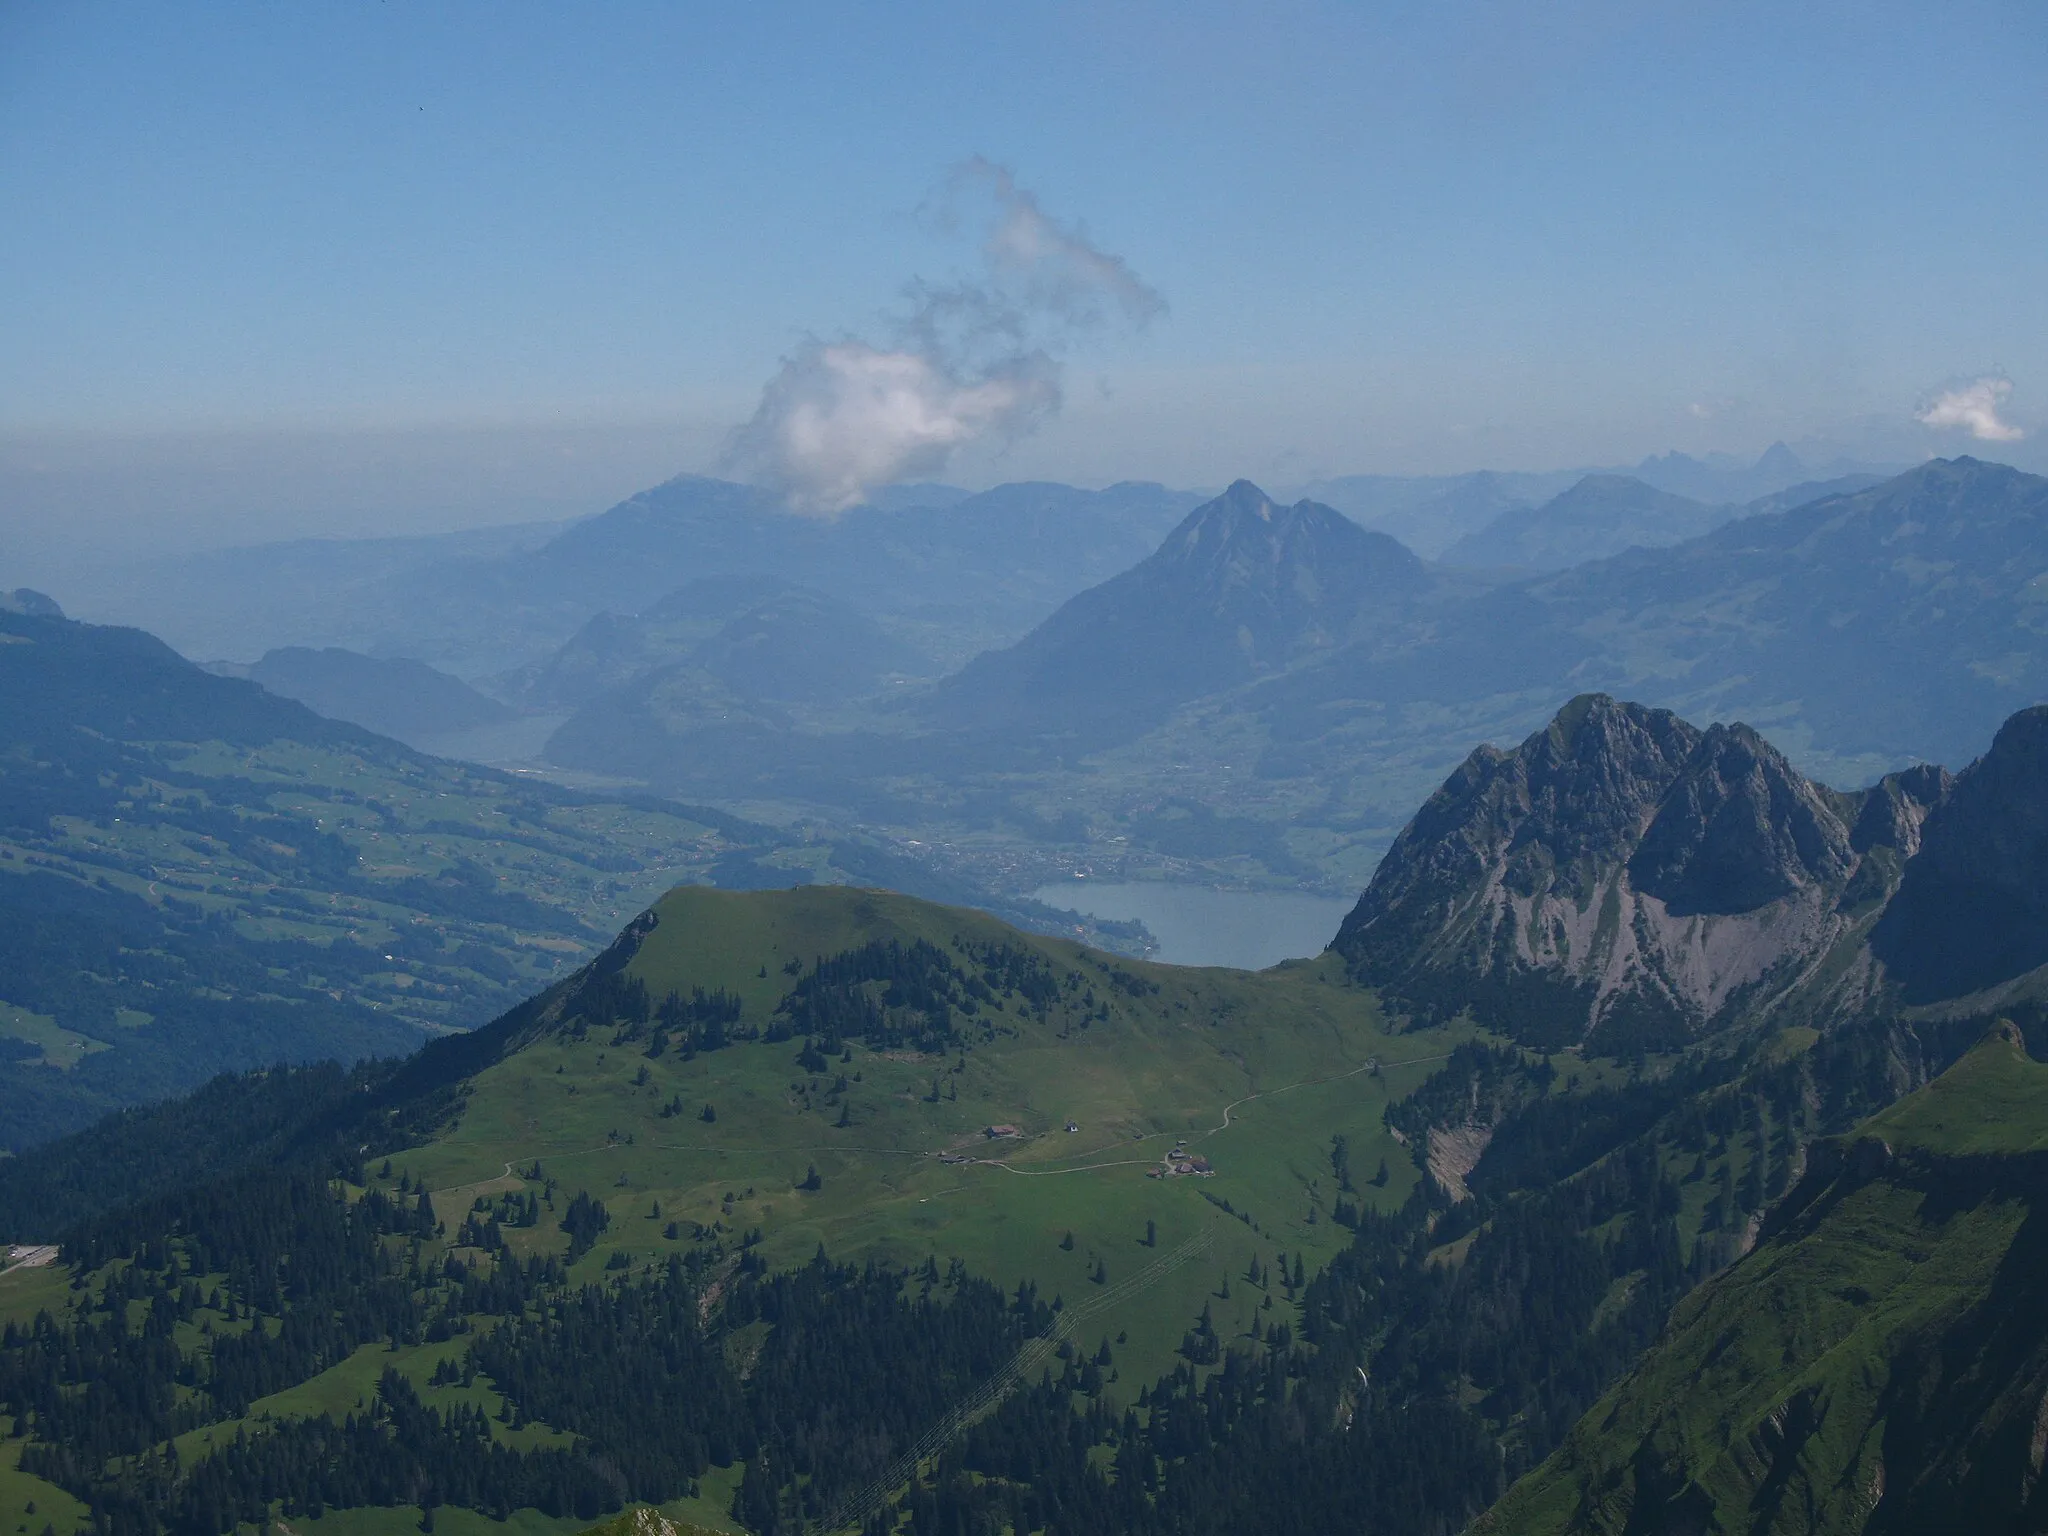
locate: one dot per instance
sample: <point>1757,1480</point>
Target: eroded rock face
<point>1972,908</point>
<point>1895,808</point>
<point>1626,876</point>
<point>1738,829</point>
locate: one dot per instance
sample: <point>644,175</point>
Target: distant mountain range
<point>482,602</point>
<point>760,637</point>
<point>1599,516</point>
<point>1433,513</point>
<point>962,571</point>
<point>1305,680</point>
<point>953,657</point>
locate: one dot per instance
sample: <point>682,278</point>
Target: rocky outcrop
<point>1626,879</point>
<point>1972,907</point>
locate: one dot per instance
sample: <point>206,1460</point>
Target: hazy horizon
<point>362,273</point>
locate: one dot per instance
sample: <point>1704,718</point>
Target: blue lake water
<point>1198,925</point>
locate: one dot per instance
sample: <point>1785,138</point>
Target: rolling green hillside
<point>1876,1365</point>
<point>1254,1073</point>
<point>773,1215</point>
<point>199,876</point>
<point>744,1082</point>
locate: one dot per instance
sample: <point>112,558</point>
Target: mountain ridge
<point>1625,880</point>
<point>1598,516</point>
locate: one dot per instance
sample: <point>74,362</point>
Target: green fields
<point>517,882</point>
<point>1108,1067</point>
<point>1255,1073</point>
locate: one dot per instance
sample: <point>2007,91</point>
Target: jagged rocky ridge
<point>1625,879</point>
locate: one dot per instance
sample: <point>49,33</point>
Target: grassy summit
<point>746,1083</point>
<point>1255,1073</point>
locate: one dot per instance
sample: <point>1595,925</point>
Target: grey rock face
<point>1897,806</point>
<point>1972,908</point>
<point>1623,876</point>
<point>1739,828</point>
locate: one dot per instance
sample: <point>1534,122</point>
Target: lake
<point>1198,925</point>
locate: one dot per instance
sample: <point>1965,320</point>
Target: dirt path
<point>1310,1082</point>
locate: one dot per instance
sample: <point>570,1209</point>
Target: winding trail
<point>1310,1082</point>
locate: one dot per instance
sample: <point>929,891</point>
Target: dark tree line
<point>282,1274</point>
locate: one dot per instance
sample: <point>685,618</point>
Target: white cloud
<point>1973,407</point>
<point>1060,271</point>
<point>841,418</point>
<point>966,361</point>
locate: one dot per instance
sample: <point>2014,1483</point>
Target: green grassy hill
<point>832,1208</point>
<point>1877,1364</point>
<point>1255,1073</point>
<point>198,876</point>
<point>719,1162</point>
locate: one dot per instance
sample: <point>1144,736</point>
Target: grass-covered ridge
<point>1875,1364</point>
<point>835,1206</point>
<point>696,1178</point>
<point>1257,1073</point>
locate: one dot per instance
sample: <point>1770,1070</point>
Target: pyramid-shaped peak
<point>1245,536</point>
<point>1598,725</point>
<point>1780,459</point>
<point>1244,497</point>
<point>1245,507</point>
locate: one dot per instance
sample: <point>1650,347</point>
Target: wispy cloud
<point>1974,407</point>
<point>964,361</point>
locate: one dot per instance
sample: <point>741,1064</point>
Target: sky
<point>278,270</point>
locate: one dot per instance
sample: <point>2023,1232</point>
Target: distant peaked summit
<point>30,604</point>
<point>1779,462</point>
<point>1244,586</point>
<point>1626,877</point>
<point>1722,477</point>
<point>1282,571</point>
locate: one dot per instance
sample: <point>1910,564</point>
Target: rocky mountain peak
<point>1895,808</point>
<point>1245,541</point>
<point>1739,828</point>
<point>1242,587</point>
<point>1620,872</point>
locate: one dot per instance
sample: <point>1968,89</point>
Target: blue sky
<point>1402,237</point>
